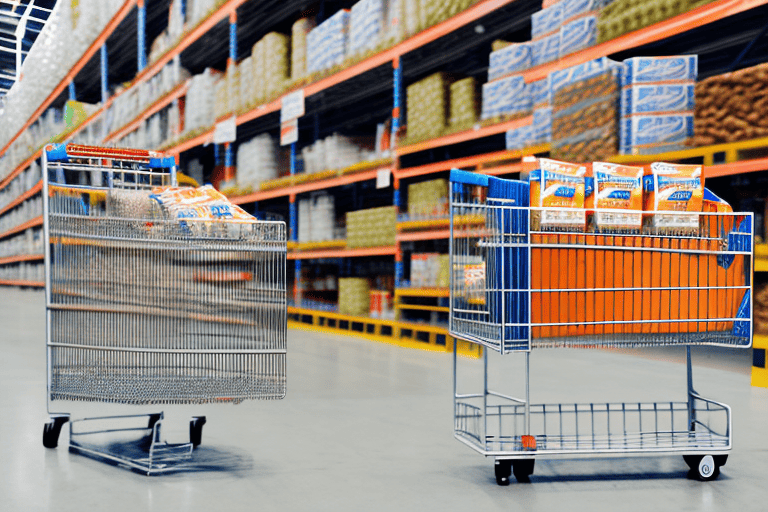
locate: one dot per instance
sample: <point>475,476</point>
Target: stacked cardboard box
<point>427,103</point>
<point>585,108</point>
<point>354,296</point>
<point>428,199</point>
<point>512,58</point>
<point>317,218</point>
<point>429,270</point>
<point>367,25</point>
<point>327,43</point>
<point>506,97</point>
<point>276,65</point>
<point>732,107</point>
<point>465,103</point>
<point>435,11</point>
<point>623,16</point>
<point>375,227</point>
<point>299,33</point>
<point>657,104</point>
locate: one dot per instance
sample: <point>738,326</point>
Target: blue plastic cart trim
<point>468,178</point>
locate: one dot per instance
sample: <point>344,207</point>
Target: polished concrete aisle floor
<point>368,426</point>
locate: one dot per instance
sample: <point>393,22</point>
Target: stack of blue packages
<point>327,43</point>
<point>366,25</point>
<point>505,97</point>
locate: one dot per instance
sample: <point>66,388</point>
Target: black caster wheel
<point>705,467</point>
<point>196,430</point>
<point>523,469</point>
<point>52,429</point>
<point>503,470</point>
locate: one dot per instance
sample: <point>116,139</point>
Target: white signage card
<point>225,131</point>
<point>292,106</point>
<point>289,132</point>
<point>383,178</point>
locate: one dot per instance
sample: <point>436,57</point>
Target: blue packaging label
<point>539,92</point>
<point>578,34</point>
<point>519,138</point>
<point>547,20</point>
<point>574,8</point>
<point>659,69</point>
<point>542,125</point>
<point>649,99</point>
<point>564,191</point>
<point>546,49</point>
<point>511,59</point>
<point>680,195</point>
<point>642,130</point>
<point>505,96</point>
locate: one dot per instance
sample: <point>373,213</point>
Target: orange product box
<point>674,188</point>
<point>616,187</point>
<point>556,185</point>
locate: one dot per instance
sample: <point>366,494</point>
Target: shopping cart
<point>147,309</point>
<point>515,288</point>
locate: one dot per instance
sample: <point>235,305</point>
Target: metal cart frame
<point>500,312</point>
<point>144,308</point>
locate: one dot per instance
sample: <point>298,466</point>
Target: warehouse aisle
<point>367,426</point>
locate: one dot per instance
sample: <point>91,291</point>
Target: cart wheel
<point>503,469</point>
<point>523,469</point>
<point>52,429</point>
<point>196,430</point>
<point>705,467</point>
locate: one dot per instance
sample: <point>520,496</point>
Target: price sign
<point>225,131</point>
<point>383,178</point>
<point>289,132</point>
<point>292,106</point>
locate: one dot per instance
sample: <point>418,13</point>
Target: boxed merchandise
<point>436,11</point>
<point>541,131</point>
<point>540,96</point>
<point>732,107</point>
<point>367,24</point>
<point>563,77</point>
<point>276,64</point>
<point>256,161</point>
<point>327,43</point>
<point>427,103</point>
<point>657,98</point>
<point>660,69</point>
<point>381,304</point>
<point>578,34</point>
<point>411,17</point>
<point>655,133</point>
<point>622,16</point>
<point>575,8</point>
<point>464,104</point>
<point>520,137</point>
<point>545,49</point>
<point>354,296</point>
<point>375,227</point>
<point>506,97</point>
<point>558,191</point>
<point>510,59</point>
<point>299,32</point>
<point>674,188</point>
<point>428,199</point>
<point>548,20</point>
<point>429,270</point>
<point>617,187</point>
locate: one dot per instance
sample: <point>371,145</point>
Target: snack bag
<point>555,187</point>
<point>674,188</point>
<point>617,187</point>
<point>202,203</point>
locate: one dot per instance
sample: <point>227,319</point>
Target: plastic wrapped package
<point>679,68</point>
<point>257,161</point>
<point>299,32</point>
<point>465,103</point>
<point>647,134</point>
<point>547,20</point>
<point>367,25</point>
<point>317,218</point>
<point>327,43</point>
<point>428,199</point>
<point>578,34</point>
<point>541,130</point>
<point>354,296</point>
<point>276,64</point>
<point>540,95</point>
<point>506,97</point>
<point>519,138</point>
<point>655,98</point>
<point>374,227</point>
<point>514,58</point>
<point>545,49</point>
<point>199,107</point>
<point>428,105</point>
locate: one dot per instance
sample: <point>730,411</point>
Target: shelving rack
<point>457,43</point>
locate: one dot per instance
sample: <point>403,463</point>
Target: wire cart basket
<point>522,279</point>
<point>147,307</point>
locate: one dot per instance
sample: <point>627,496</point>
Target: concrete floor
<point>368,426</point>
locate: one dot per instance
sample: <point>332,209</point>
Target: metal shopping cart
<point>518,283</point>
<point>147,308</point>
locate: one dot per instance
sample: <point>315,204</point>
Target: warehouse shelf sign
<point>289,132</point>
<point>225,131</point>
<point>292,106</point>
<point>383,178</point>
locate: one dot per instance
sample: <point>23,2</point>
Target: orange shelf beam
<point>388,250</point>
<point>703,15</point>
<point>742,167</point>
<point>417,236</point>
<point>307,187</point>
<point>22,258</point>
<point>79,65</point>
<point>464,136</point>
<point>14,282</point>
<point>23,197</point>
<point>177,92</point>
<point>37,221</point>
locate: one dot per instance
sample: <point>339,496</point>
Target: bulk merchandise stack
<point>622,16</point>
<point>428,199</point>
<point>375,227</point>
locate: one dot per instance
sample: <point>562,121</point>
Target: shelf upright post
<point>142,36</point>
<point>396,104</point>
<point>294,233</point>
<point>232,39</point>
<point>229,167</point>
<point>104,73</point>
<point>71,87</point>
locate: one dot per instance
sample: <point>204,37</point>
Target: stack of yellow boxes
<point>428,107</point>
<point>428,199</point>
<point>623,16</point>
<point>246,101</point>
<point>375,227</point>
<point>221,97</point>
<point>435,11</point>
<point>299,33</point>
<point>465,104</point>
<point>354,296</point>
<point>276,63</point>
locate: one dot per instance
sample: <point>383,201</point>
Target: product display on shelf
<point>506,97</point>
<point>428,199</point>
<point>317,219</point>
<point>622,16</point>
<point>354,296</point>
<point>429,270</point>
<point>337,152</point>
<point>428,107</point>
<point>732,107</point>
<point>199,104</point>
<point>465,104</point>
<point>375,227</point>
<point>257,161</point>
<point>328,42</point>
<point>299,33</point>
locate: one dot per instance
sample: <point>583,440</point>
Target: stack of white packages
<point>327,43</point>
<point>334,152</point>
<point>317,217</point>
<point>20,184</point>
<point>63,40</point>
<point>198,110</point>
<point>199,9</point>
<point>22,213</point>
<point>256,161</point>
<point>367,25</point>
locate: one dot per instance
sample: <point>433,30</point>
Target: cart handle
<point>468,178</point>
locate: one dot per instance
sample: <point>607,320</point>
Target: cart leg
<point>705,467</point>
<point>196,430</point>
<point>52,429</point>
<point>503,470</point>
<point>523,469</point>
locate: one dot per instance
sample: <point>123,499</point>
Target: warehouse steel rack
<point>145,309</point>
<point>518,283</point>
